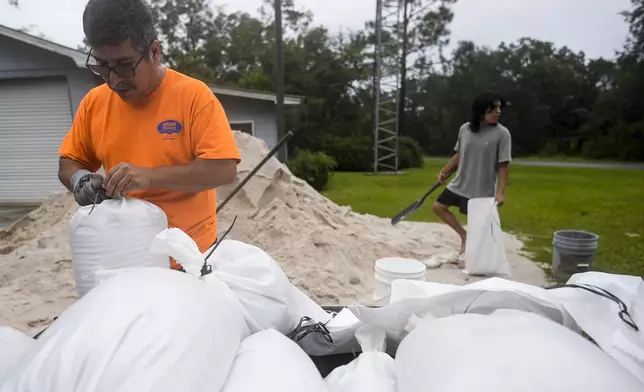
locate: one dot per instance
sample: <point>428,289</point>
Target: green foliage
<point>353,154</point>
<point>410,153</point>
<point>561,103</point>
<point>313,167</point>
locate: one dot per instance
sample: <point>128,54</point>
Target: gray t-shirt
<point>479,156</point>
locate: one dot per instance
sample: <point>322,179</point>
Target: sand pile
<point>325,249</point>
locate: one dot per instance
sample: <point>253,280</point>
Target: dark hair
<point>111,22</point>
<point>481,105</point>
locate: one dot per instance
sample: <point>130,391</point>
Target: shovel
<point>415,206</point>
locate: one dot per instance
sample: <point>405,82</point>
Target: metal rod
<point>279,77</point>
<point>268,156</point>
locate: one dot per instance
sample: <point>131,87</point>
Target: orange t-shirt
<point>182,120</point>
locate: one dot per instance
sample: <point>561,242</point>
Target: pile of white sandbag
<point>149,329</point>
<point>153,329</point>
<point>139,326</point>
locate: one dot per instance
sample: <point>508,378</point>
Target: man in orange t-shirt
<point>161,136</point>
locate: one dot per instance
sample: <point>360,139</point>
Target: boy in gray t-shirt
<point>483,154</point>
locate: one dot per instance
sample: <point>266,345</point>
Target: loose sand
<point>326,250</point>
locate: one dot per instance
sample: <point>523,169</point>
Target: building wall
<point>21,61</point>
<point>263,113</point>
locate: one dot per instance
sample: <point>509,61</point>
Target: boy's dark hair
<point>481,105</point>
<point>111,22</point>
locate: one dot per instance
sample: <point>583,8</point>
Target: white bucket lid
<point>400,267</point>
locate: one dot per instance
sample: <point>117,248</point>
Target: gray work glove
<point>86,186</point>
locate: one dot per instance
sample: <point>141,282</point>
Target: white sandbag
<point>600,317</point>
<point>485,247</point>
<point>269,362</point>
<point>143,330</point>
<point>403,289</point>
<point>372,371</point>
<point>270,300</point>
<point>550,304</point>
<point>506,351</point>
<point>117,234</point>
<point>13,346</point>
<point>482,298</point>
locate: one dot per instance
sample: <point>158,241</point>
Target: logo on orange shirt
<point>170,127</point>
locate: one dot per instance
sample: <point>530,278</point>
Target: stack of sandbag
<point>270,362</point>
<point>269,299</point>
<point>146,329</point>
<point>505,351</point>
<point>13,346</point>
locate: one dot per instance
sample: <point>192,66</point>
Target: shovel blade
<point>404,214</point>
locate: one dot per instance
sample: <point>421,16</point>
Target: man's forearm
<point>196,176</point>
<point>66,170</point>
<point>504,173</point>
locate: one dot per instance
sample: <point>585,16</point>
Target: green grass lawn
<point>539,201</point>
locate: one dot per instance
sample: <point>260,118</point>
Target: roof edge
<point>256,94</point>
<point>75,55</point>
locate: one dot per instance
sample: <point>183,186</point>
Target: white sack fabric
<point>485,249</point>
<point>270,300</point>
<point>269,362</point>
<point>117,234</point>
<point>13,345</point>
<point>600,317</point>
<point>483,297</point>
<point>144,330</point>
<point>547,304</point>
<point>507,351</point>
<point>372,371</point>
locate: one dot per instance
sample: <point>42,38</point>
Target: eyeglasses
<point>123,71</point>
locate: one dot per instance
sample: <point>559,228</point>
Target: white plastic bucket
<point>392,268</point>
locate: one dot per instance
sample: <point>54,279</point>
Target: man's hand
<point>500,199</point>
<point>87,188</point>
<point>124,178</point>
<point>441,178</point>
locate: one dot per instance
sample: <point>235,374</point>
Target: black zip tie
<point>46,328</point>
<point>623,313</point>
<point>473,300</point>
<point>94,205</point>
<point>207,268</point>
<point>302,331</point>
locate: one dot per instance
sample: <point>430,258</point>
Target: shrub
<point>313,167</point>
<point>351,153</point>
<point>410,153</point>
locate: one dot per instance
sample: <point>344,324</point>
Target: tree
<point>560,102</point>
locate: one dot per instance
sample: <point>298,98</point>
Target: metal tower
<point>389,15</point>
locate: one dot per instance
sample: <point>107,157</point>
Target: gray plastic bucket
<point>573,251</point>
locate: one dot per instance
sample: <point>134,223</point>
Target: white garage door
<point>35,115</point>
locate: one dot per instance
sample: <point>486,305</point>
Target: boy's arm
<point>505,157</point>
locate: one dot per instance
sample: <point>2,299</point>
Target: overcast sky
<point>593,26</point>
